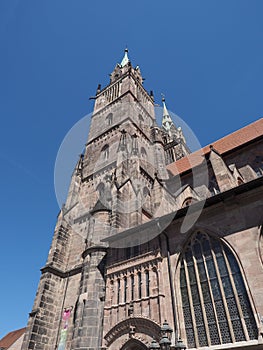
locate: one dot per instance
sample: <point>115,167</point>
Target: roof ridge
<point>225,144</point>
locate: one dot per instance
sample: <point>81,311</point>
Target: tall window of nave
<point>215,303</point>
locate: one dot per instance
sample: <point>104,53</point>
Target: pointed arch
<point>188,201</point>
<point>144,327</point>
<point>109,119</point>
<point>101,189</point>
<point>143,153</point>
<point>214,302</point>
<point>134,344</point>
<point>105,152</point>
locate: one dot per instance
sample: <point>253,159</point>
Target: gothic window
<point>118,290</point>
<point>109,119</point>
<point>101,190</point>
<point>259,166</point>
<point>128,252</point>
<point>141,120</point>
<point>105,152</point>
<point>169,156</point>
<point>187,202</point>
<point>133,251</point>
<point>213,186</point>
<point>215,303</point>
<point>143,153</point>
<point>147,281</point>
<point>139,285</point>
<point>125,290</point>
<point>239,181</point>
<point>132,287</point>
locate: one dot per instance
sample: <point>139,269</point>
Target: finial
<point>167,122</point>
<point>125,59</point>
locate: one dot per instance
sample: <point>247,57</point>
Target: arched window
<point>109,119</point>
<point>118,290</point>
<point>141,120</point>
<point>147,282</point>
<point>139,285</point>
<point>215,303</point>
<point>101,190</point>
<point>105,152</point>
<point>213,186</point>
<point>132,287</point>
<point>239,181</point>
<point>187,202</point>
<point>258,165</point>
<point>125,290</point>
<point>143,153</point>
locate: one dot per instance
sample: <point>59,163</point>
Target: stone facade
<point>138,243</point>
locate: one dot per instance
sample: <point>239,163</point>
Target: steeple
<point>167,122</point>
<point>125,59</point>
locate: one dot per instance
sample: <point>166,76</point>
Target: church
<point>156,247</point>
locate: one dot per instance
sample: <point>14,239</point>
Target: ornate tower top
<point>125,59</point>
<point>167,122</point>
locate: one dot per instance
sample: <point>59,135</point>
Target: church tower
<point>119,183</point>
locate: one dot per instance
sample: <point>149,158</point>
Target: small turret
<point>167,122</point>
<point>174,140</point>
<point>125,59</point>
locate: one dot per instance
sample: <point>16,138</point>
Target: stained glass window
<point>215,303</point>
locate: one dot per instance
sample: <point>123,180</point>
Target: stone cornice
<point>133,263</point>
<point>60,273</point>
<point>94,248</point>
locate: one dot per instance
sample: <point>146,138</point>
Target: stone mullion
<point>198,283</point>
<point>121,301</point>
<point>191,303</point>
<point>144,303</point>
<point>223,297</point>
<point>137,303</point>
<point>114,302</point>
<point>115,290</point>
<point>236,297</point>
<point>212,299</point>
<point>152,282</point>
<point>143,284</point>
<point>155,290</point>
<point>161,293</point>
<point>128,288</point>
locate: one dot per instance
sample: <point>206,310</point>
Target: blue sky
<point>206,57</point>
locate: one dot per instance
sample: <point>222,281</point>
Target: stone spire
<point>125,59</point>
<point>167,122</point>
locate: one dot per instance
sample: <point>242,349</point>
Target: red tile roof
<point>10,338</point>
<point>227,143</point>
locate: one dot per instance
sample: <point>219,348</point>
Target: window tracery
<point>105,152</point>
<point>109,119</point>
<point>215,303</point>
